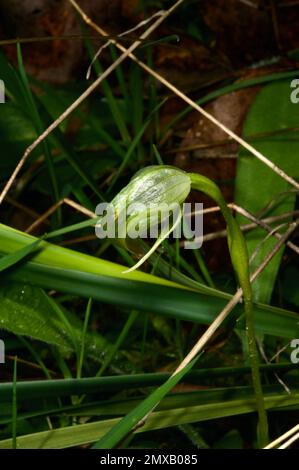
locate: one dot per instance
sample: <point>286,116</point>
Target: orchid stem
<point>240,261</point>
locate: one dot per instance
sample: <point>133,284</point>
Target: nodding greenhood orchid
<point>158,185</point>
<point>150,190</point>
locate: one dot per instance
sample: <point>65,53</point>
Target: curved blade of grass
<point>70,155</point>
<point>134,144</point>
<point>54,104</point>
<point>68,271</point>
<point>91,385</point>
<point>173,302</point>
<point>13,258</point>
<point>137,105</point>
<point>80,358</point>
<point>119,407</point>
<point>121,78</point>
<point>116,112</point>
<point>12,240</point>
<point>14,405</point>
<point>134,418</point>
<point>87,433</point>
<point>116,408</point>
<point>33,112</point>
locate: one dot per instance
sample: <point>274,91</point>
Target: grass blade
<point>134,419</point>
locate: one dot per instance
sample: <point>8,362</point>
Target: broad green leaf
<point>26,310</point>
<point>256,184</point>
<point>65,270</point>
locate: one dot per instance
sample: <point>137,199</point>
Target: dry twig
<point>84,95</point>
<point>190,102</point>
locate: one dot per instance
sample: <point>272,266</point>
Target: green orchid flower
<point>158,185</point>
<point>148,199</point>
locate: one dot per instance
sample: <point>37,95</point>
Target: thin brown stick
<point>274,14</point>
<point>293,226</point>
<point>250,4</point>
<point>85,95</point>
<point>27,210</point>
<point>74,241</point>
<point>233,302</point>
<point>119,36</point>
<point>274,201</point>
<point>263,223</point>
<point>67,37</point>
<point>224,142</point>
<point>267,361</point>
<point>260,245</point>
<point>53,208</point>
<point>278,353</point>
